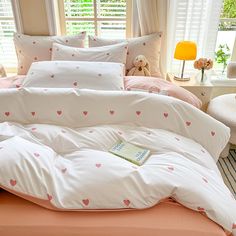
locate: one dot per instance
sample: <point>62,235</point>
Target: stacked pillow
<point>148,45</point>
<point>30,49</point>
<point>112,53</point>
<point>76,74</point>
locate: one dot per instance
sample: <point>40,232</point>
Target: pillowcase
<point>112,53</point>
<point>74,74</point>
<point>38,48</point>
<point>158,85</point>
<point>149,46</point>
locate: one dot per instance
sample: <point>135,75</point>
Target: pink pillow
<point>158,85</point>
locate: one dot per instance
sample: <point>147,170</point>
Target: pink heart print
<point>138,113</point>
<point>200,209</point>
<point>85,113</point>
<point>59,112</point>
<point>165,114</point>
<point>126,202</point>
<point>64,170</point>
<point>85,202</point>
<point>33,129</point>
<point>7,113</point>
<point>213,133</point>
<point>36,154</point>
<point>188,123</point>
<point>98,165</point>
<point>49,197</point>
<point>33,113</point>
<point>13,182</point>
<point>171,168</point>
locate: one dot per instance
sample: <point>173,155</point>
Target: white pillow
<point>149,46</point>
<point>75,74</point>
<point>112,53</point>
<point>39,48</point>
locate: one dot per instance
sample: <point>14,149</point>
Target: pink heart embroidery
<point>200,209</point>
<point>138,112</point>
<point>13,182</point>
<point>98,165</point>
<point>126,202</point>
<point>59,112</point>
<point>85,113</point>
<point>33,113</point>
<point>33,129</point>
<point>64,170</point>
<point>7,113</point>
<point>213,133</point>
<point>204,179</point>
<point>75,83</point>
<point>234,226</point>
<point>112,112</point>
<point>188,123</point>
<point>85,202</point>
<point>49,197</point>
<point>165,114</point>
<point>36,154</point>
<point>171,168</point>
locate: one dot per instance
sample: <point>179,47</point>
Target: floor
<point>227,168</point>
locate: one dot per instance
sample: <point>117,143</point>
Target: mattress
<point>22,218</point>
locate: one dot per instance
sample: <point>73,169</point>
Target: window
<point>7,28</point>
<point>196,21</point>
<point>104,18</point>
<point>226,38</point>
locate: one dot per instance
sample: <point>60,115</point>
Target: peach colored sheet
<point>22,218</point>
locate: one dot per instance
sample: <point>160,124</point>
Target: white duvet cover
<point>54,147</point>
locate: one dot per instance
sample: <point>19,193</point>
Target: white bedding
<point>54,146</point>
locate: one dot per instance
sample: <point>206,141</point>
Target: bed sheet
<point>167,218</point>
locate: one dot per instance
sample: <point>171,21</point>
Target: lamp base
<point>181,79</point>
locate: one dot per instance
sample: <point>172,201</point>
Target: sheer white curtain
<point>150,16</point>
<point>195,20</point>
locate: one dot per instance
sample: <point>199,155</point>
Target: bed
<point>58,124</point>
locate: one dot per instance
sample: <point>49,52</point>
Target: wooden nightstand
<point>202,91</point>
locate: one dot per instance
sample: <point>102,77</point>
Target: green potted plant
<point>222,55</point>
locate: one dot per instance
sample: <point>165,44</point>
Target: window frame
<point>95,19</point>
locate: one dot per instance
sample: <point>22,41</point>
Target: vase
<point>203,77</point>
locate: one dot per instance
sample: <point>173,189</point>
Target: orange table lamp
<point>185,50</point>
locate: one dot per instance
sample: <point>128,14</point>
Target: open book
<point>130,152</point>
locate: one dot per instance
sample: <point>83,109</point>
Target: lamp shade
<point>185,50</point>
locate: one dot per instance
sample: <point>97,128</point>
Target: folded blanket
<point>54,151</point>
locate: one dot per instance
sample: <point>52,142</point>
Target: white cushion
<point>38,48</point>
<point>74,74</point>
<point>112,53</point>
<point>149,46</point>
<point>223,108</point>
